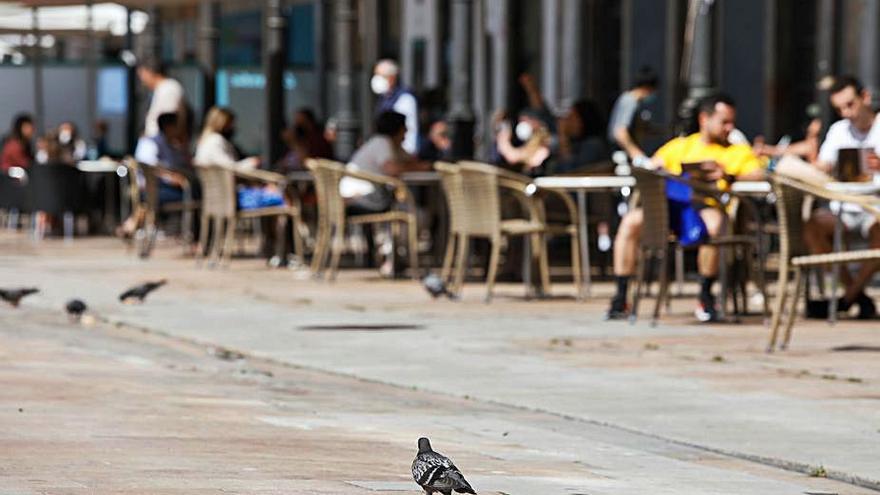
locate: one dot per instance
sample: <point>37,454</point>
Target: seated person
<point>720,160</point>
<point>17,150</point>
<point>382,154</point>
<point>304,140</point>
<point>859,128</point>
<point>535,139</point>
<point>581,140</point>
<point>164,149</point>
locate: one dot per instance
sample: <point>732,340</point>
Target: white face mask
<point>523,131</point>
<point>64,137</point>
<point>379,85</point>
<point>41,156</point>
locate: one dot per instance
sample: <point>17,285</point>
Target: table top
<point>98,166</point>
<point>427,177</point>
<point>854,187</point>
<point>593,182</point>
<point>759,187</point>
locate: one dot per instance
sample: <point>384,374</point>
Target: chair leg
<point>413,248</point>
<point>779,304</point>
<point>761,278</point>
<point>679,270</point>
<point>336,247</point>
<point>543,263</point>
<point>494,260</point>
<point>576,266</point>
<point>460,263</point>
<point>203,237</point>
<point>663,291</point>
<point>298,244</point>
<point>217,244</point>
<point>798,288</point>
<point>447,258</point>
<point>640,277</point>
<point>230,240</point>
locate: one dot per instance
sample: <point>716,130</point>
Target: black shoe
<point>619,310</point>
<point>867,309</point>
<point>817,309</point>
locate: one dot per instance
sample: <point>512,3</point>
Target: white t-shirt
<point>214,149</point>
<point>167,98</point>
<point>407,105</point>
<point>842,134</point>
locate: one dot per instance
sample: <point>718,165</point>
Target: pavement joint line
<point>786,465</point>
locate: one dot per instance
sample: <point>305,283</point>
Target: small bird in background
<point>436,287</point>
<point>140,292</point>
<point>14,296</point>
<point>434,472</point>
<point>75,309</point>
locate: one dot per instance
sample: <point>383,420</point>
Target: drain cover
<point>360,327</point>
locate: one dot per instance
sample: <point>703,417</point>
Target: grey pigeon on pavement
<point>14,296</point>
<point>140,292</point>
<point>75,308</point>
<point>434,472</point>
<point>435,286</point>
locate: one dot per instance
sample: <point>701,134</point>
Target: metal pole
<point>826,20</point>
<point>91,84</point>
<point>209,34</point>
<point>868,48</point>
<point>273,67</point>
<point>347,124</point>
<point>461,115</point>
<point>39,103</point>
<point>699,74</point>
<point>370,25</point>
<point>572,43</point>
<point>131,125</point>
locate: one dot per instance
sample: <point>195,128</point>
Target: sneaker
<point>619,310</point>
<point>706,313</point>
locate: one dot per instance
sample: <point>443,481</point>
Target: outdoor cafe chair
<point>332,217</point>
<point>474,201</point>
<point>568,226</point>
<point>58,190</point>
<point>793,256</point>
<point>220,215</point>
<point>147,206</point>
<point>656,239</point>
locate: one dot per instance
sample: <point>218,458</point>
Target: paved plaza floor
<point>529,397</point>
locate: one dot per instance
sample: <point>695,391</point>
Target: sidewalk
<point>709,387</point>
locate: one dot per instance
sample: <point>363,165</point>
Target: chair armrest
<point>401,192</point>
<point>260,176</point>
<point>566,200</point>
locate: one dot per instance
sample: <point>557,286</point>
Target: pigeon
<point>434,472</point>
<point>435,286</point>
<point>75,308</point>
<point>14,296</point>
<point>140,292</point>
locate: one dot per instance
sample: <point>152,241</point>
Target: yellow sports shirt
<point>735,159</point>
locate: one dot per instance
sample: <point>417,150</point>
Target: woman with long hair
<point>17,149</point>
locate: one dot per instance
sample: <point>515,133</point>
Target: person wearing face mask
<point>720,161</point>
<point>393,97</point>
<point>215,144</point>
<point>73,149</point>
<point>625,124</point>
<point>535,148</point>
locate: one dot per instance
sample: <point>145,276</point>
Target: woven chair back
<point>218,190</point>
<point>655,208</point>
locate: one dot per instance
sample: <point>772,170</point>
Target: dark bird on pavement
<point>436,287</point>
<point>434,472</point>
<point>140,292</point>
<point>75,308</point>
<point>14,296</point>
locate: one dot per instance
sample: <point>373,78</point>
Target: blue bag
<point>684,219</point>
<point>251,198</point>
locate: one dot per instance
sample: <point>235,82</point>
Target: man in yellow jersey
<point>722,162</point>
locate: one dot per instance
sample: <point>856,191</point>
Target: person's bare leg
<point>819,238</point>
<point>707,257</point>
<point>866,271</point>
<point>626,243</point>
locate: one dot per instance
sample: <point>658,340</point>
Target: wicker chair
<point>656,238</point>
<point>150,208</point>
<point>793,255</point>
<point>473,197</point>
<point>569,227</point>
<point>332,218</point>
<point>219,205</point>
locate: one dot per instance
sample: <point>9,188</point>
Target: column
<point>273,68</point>
<point>572,41</point>
<point>209,34</point>
<point>346,119</point>
<point>549,81</point>
<point>698,50</point>
<point>131,121</point>
<point>91,78</point>
<point>461,115</point>
<point>37,62</point>
<point>868,48</point>
<point>826,20</point>
<point>370,24</point>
